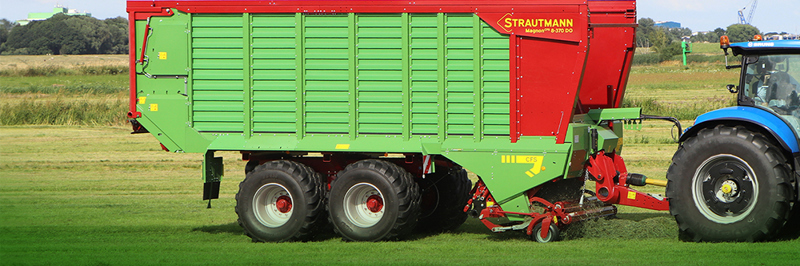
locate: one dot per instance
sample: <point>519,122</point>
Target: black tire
<point>261,202</point>
<point>791,230</point>
<point>728,184</point>
<point>444,195</point>
<point>552,235</point>
<point>373,200</point>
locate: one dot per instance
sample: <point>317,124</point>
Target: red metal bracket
<point>611,177</point>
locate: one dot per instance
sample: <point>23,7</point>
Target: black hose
<point>670,119</point>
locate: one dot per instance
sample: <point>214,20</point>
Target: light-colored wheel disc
<point>272,205</point>
<point>725,189</point>
<point>364,205</point>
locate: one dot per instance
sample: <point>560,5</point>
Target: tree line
<point>62,34</point>
<point>666,41</point>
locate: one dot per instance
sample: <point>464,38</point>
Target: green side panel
<point>379,74</point>
<point>459,76</point>
<point>326,74</point>
<point>217,73</point>
<point>424,75</point>
<point>510,170</point>
<point>164,96</point>
<point>495,78</point>
<point>163,56</point>
<point>274,66</point>
<point>578,135</point>
<point>607,140</point>
<point>353,74</point>
<point>165,113</point>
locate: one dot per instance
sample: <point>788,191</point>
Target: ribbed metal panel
<point>217,72</point>
<point>326,76</point>
<point>459,76</point>
<point>355,74</point>
<point>379,73</point>
<point>495,82</point>
<point>274,64</point>
<point>424,77</point>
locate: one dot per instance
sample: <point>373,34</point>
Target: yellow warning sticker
<point>631,195</point>
<point>153,107</point>
<point>521,159</point>
<point>342,146</point>
<point>162,55</point>
<point>536,160</point>
<point>142,100</point>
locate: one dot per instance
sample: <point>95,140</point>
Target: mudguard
<point>777,127</point>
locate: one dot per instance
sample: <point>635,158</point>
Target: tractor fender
<point>770,123</point>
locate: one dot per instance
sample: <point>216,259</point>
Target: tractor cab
<point>769,78</point>
<point>769,81</point>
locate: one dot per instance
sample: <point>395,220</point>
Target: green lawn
<point>97,195</point>
<point>100,196</point>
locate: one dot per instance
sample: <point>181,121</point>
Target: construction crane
<point>749,19</point>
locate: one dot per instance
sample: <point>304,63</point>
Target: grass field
<point>100,196</point>
<point>10,62</point>
<point>97,195</point>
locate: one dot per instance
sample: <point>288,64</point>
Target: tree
<point>658,38</point>
<point>742,32</point>
<point>646,26</point>
<point>719,32</point>
<point>118,41</point>
<point>62,34</point>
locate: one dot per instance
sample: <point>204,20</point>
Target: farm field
<point>92,193</point>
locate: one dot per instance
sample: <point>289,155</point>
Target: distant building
<point>56,10</point>
<point>668,24</point>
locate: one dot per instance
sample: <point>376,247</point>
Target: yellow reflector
<point>342,146</point>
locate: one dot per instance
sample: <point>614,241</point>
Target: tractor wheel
<point>373,200</point>
<point>728,184</point>
<point>553,233</point>
<point>444,195</point>
<point>791,230</point>
<point>280,201</point>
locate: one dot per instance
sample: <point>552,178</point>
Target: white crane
<point>749,19</point>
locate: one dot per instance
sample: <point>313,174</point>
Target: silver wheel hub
<point>728,191</point>
<point>272,205</point>
<point>364,205</point>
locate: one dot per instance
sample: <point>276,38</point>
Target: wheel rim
<point>538,234</point>
<point>272,205</point>
<point>725,189</point>
<point>364,205</point>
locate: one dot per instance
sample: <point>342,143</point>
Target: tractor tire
<point>444,195</point>
<point>728,184</point>
<point>791,230</point>
<point>373,200</point>
<point>281,201</point>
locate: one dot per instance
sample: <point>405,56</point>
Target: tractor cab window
<point>771,81</point>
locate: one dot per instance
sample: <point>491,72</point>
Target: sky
<point>698,15</point>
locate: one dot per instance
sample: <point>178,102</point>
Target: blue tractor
<point>735,175</point>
